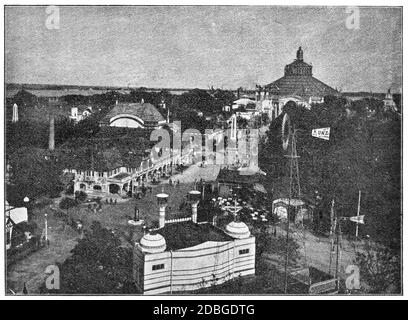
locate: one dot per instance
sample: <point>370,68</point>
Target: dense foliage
<point>363,153</point>
<point>99,264</point>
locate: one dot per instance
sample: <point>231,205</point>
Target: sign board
<point>328,286</point>
<point>321,133</point>
<point>357,219</point>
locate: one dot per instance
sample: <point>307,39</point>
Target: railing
<point>178,220</point>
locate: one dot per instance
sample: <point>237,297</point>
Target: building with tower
<point>186,254</point>
<point>297,84</point>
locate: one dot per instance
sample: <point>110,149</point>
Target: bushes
<point>80,196</point>
<point>67,203</point>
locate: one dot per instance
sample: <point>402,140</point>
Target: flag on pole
<point>321,133</point>
<point>357,219</point>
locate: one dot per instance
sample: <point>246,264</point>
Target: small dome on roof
<point>152,243</point>
<point>238,230</point>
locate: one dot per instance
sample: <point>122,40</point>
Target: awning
<point>260,188</point>
<point>244,101</point>
<point>293,202</point>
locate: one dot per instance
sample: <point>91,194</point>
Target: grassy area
<point>116,216</point>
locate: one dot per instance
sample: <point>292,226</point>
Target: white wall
<point>125,122</point>
<point>194,268</point>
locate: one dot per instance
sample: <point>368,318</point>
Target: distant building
<point>106,171</point>
<point>80,113</point>
<point>16,226</point>
<point>389,103</point>
<point>246,177</point>
<point>186,255</point>
<point>134,115</point>
<point>297,84</point>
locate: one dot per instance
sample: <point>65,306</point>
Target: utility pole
<point>338,250</point>
<point>333,222</point>
<point>358,211</point>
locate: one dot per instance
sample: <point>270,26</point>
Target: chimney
<point>51,141</point>
<point>194,198</point>
<point>162,202</point>
<point>15,113</point>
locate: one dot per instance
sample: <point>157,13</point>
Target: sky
<point>202,46</point>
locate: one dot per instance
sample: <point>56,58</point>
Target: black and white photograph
<point>202,150</point>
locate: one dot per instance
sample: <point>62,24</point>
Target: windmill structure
<point>289,145</point>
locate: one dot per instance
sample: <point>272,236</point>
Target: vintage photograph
<point>202,150</point>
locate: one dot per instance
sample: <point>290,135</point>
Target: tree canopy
<point>99,264</point>
<point>363,153</point>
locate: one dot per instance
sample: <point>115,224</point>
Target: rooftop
<point>100,160</point>
<point>188,234</point>
<point>145,111</point>
<point>239,177</point>
<point>300,85</point>
<point>298,81</point>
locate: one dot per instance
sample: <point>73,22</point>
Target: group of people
<point>175,183</point>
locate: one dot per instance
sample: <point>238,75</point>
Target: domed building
<point>188,254</point>
<point>134,115</point>
<point>297,84</point>
<point>238,230</point>
<point>152,243</point>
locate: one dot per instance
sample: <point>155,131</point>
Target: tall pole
<point>288,218</point>
<point>51,139</point>
<point>332,234</point>
<point>338,249</point>
<point>46,228</point>
<point>358,211</point>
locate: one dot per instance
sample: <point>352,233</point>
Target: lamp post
<point>46,228</point>
<point>27,205</point>
<point>194,198</point>
<point>136,215</point>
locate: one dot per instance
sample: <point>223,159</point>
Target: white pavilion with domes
<point>188,255</point>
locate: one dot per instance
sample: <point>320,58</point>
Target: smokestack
<point>234,127</point>
<point>51,141</point>
<point>162,202</point>
<point>15,113</point>
<point>194,198</point>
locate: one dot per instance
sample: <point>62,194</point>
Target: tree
<point>99,264</point>
<point>25,98</point>
<point>363,153</point>
<point>199,100</point>
<point>67,203</point>
<point>80,196</point>
<point>267,243</point>
<point>380,268</point>
<point>34,172</point>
